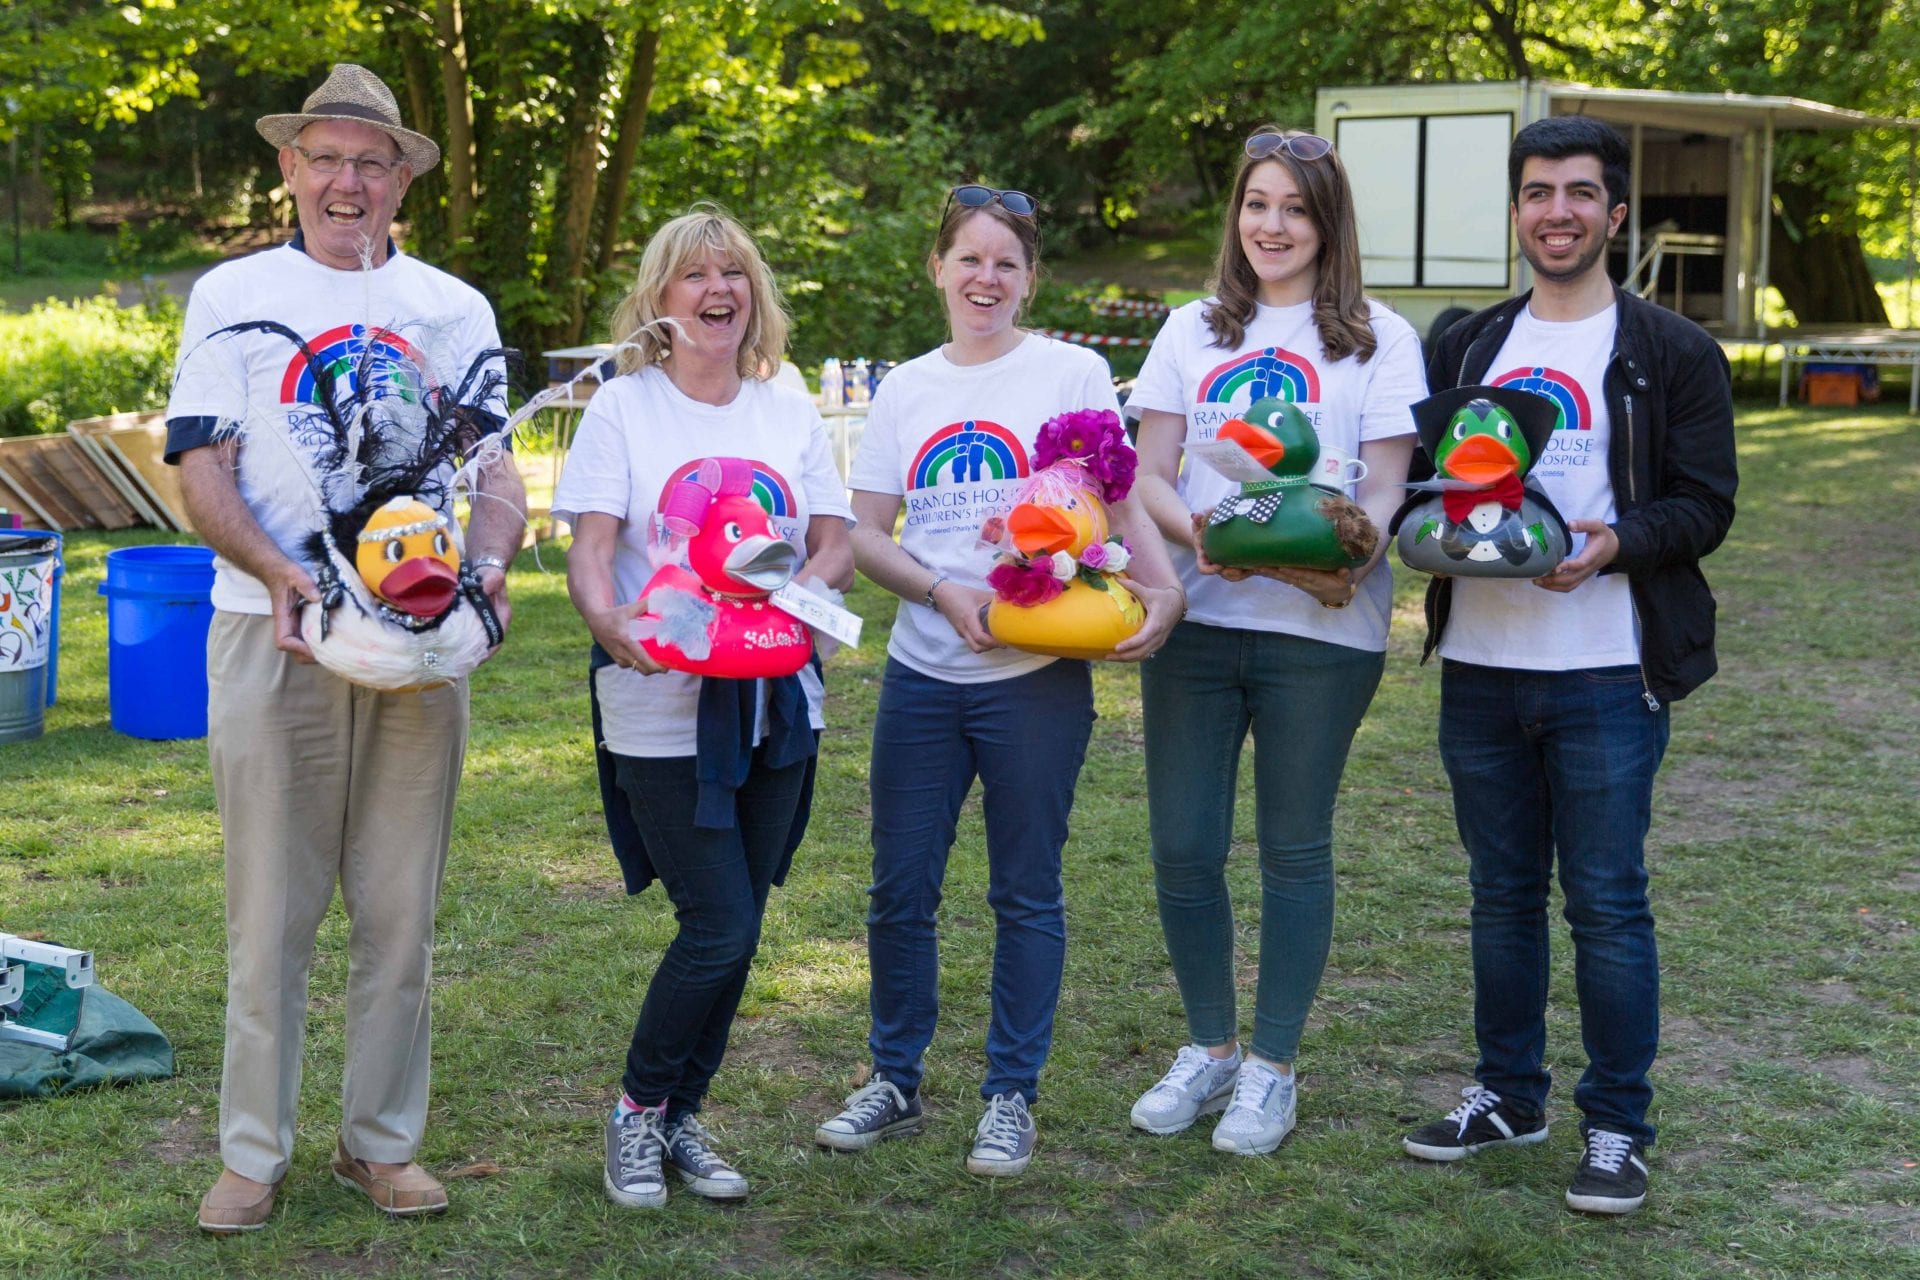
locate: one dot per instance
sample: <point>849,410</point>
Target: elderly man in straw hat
<point>320,781</point>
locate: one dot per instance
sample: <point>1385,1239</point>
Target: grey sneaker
<point>873,1113</point>
<point>1197,1084</point>
<point>1003,1142</point>
<point>690,1152</point>
<point>634,1148</point>
<point>1261,1113</point>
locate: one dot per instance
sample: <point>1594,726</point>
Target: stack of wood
<point>103,473</point>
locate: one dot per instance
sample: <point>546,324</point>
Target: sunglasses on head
<point>975,196</point>
<point>1301,146</point>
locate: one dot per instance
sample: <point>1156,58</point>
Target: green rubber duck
<point>1287,521</point>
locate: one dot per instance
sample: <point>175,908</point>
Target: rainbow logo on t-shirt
<point>1258,375</point>
<point>1575,413</point>
<point>770,489</point>
<point>391,363</point>
<point>963,452</point>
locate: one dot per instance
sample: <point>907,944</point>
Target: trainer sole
<point>632,1199</point>
<point>1446,1155</point>
<point>714,1188</point>
<point>998,1168</point>
<point>833,1140</point>
<point>1232,1147</point>
<point>1604,1204</point>
<point>1212,1106</point>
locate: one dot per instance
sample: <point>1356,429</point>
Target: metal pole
<point>13,151</point>
<point>1913,208</point>
<point>1766,235</point>
<point>1633,214</point>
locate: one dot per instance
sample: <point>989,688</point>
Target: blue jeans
<point>718,882</point>
<point>1025,738</point>
<point>1303,700</point>
<point>1545,763</point>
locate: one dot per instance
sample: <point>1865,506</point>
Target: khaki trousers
<point>322,782</point>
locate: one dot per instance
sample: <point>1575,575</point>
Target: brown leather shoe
<point>236,1204</point>
<point>402,1191</point>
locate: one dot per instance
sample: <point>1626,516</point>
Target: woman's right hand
<point>965,609</point>
<point>612,630</point>
<point>1200,560</point>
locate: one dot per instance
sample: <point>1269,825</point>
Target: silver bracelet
<point>932,587</point>
<point>489,562</point>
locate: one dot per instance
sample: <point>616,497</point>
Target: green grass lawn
<point>1786,858</point>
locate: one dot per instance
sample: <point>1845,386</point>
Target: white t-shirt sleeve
<point>876,463</point>
<point>1162,384</point>
<point>597,476</point>
<point>820,477</point>
<point>1098,388</point>
<point>483,334</point>
<point>210,377</point>
<point>1399,378</point>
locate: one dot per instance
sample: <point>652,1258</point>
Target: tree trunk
<point>450,40</point>
<point>573,202</point>
<point>635,99</point>
<point>1821,275</point>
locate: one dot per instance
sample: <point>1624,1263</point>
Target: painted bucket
<point>159,607</point>
<point>30,572</point>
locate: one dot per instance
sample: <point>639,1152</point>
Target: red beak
<point>422,586</point>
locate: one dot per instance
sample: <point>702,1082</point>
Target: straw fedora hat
<point>355,94</point>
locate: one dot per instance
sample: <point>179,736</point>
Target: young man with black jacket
<point>1555,691</point>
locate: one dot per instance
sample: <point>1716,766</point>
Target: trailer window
<point>1431,196</point>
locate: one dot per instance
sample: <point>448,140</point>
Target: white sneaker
<point>1196,1085</point>
<point>1261,1113</point>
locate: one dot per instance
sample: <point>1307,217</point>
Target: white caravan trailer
<point>1429,170</point>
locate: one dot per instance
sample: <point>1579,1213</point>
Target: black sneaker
<point>690,1152</point>
<point>873,1113</point>
<point>1476,1124</point>
<point>634,1147</point>
<point>1612,1177</point>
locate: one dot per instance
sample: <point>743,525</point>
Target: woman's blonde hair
<point>1340,311</point>
<point>637,320</point>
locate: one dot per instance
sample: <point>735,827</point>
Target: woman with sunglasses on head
<point>950,435</point>
<point>705,781</point>
<point>1293,654</point>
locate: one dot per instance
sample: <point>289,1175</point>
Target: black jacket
<point>1671,462</point>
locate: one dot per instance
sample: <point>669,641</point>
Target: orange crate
<point>1830,388</point>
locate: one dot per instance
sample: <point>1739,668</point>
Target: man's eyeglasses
<point>1301,146</point>
<point>370,167</point>
<point>974,196</point>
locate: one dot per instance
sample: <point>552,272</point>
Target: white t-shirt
<point>640,434</point>
<point>1511,623</point>
<point>1348,403</point>
<point>955,441</point>
<point>404,323</point>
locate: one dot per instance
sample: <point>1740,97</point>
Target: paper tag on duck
<point>819,613</point>
<point>1231,460</point>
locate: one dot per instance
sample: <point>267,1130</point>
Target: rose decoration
<point>1095,439</point>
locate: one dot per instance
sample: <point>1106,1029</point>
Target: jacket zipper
<point>1633,496</point>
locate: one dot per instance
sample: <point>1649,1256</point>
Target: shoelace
<point>1188,1065</point>
<point>1478,1102</point>
<point>640,1147</point>
<point>693,1138</point>
<point>1608,1151</point>
<point>865,1103</point>
<point>1253,1077</point>
<point>1004,1122</point>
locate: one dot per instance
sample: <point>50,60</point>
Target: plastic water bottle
<point>859,383</point>
<point>833,385</point>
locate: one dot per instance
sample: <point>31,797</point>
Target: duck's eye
<point>393,551</point>
<point>1459,431</point>
<point>733,532</point>
<point>440,543</point>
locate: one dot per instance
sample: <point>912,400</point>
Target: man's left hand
<point>1602,546</point>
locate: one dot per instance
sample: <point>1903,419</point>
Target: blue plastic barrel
<point>30,573</point>
<point>159,607</point>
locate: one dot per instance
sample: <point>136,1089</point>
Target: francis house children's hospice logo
<point>1269,373</point>
<point>353,355</point>
<point>965,472</point>
<point>1572,447</point>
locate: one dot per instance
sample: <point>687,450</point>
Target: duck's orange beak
<point>1262,444</point>
<point>1040,530</point>
<point>1481,460</point>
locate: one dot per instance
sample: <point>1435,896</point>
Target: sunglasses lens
<point>1308,146</point>
<point>1018,203</point>
<point>973,197</point>
<point>1262,145</point>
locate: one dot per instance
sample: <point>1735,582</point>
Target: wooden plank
<point>126,481</point>
<point>14,498</point>
<point>143,449</point>
<point>75,468</point>
<point>28,473</point>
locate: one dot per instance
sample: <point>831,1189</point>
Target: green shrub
<point>62,361</point>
